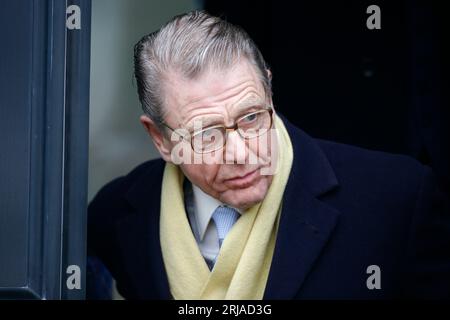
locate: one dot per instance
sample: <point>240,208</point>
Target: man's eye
<point>250,117</point>
<point>207,133</point>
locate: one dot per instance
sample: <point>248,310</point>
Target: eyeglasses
<point>249,126</point>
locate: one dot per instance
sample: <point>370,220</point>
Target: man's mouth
<point>243,181</point>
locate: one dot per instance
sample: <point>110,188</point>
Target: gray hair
<point>188,44</point>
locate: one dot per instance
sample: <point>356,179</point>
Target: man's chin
<point>241,199</point>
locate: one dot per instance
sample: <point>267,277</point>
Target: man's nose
<point>235,148</point>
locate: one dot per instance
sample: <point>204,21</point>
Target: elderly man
<point>244,205</point>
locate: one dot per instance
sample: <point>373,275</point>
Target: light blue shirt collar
<point>204,209</point>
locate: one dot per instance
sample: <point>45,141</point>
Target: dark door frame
<point>57,110</point>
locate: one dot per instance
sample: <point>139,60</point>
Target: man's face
<point>215,98</point>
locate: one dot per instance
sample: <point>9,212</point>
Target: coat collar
<point>305,225</point>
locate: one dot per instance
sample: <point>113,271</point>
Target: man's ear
<point>160,141</point>
<point>269,74</point>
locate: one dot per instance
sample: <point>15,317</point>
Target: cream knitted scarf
<point>243,264</point>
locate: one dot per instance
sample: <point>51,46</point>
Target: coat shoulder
<point>110,201</point>
<point>397,170</point>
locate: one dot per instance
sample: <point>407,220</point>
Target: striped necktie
<point>224,218</point>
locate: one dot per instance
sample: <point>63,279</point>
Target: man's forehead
<point>213,86</point>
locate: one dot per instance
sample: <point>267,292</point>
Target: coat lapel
<point>306,222</point>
